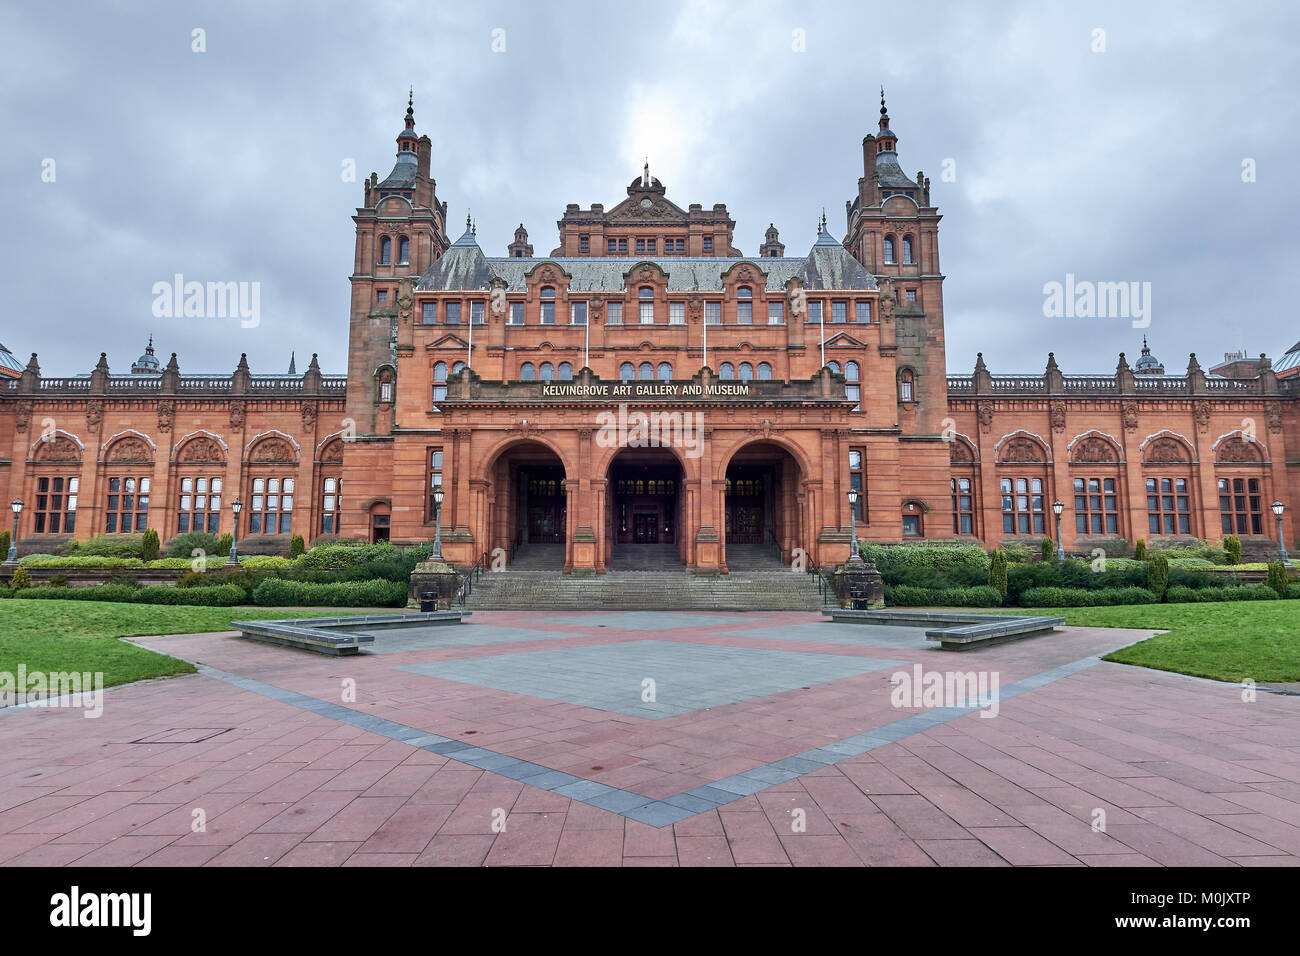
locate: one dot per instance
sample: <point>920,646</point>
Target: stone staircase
<point>647,590</point>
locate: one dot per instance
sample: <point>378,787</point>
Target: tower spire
<point>410,110</point>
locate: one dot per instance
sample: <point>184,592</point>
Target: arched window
<point>645,372</point>
<point>905,393</point>
<point>852,390</point>
<point>458,367</point>
<point>907,250</point>
<point>440,372</point>
<point>548,305</point>
<point>439,381</point>
<point>565,372</point>
<point>403,251</point>
<point>386,386</point>
<point>727,372</point>
<point>834,367</point>
<point>547,372</point>
<point>626,372</point>
<point>851,372</point>
<point>746,372</point>
<point>665,372</point>
<point>646,305</point>
<point>526,372</point>
<point>764,372</point>
<point>744,306</point>
<point>889,250</point>
<point>385,251</point>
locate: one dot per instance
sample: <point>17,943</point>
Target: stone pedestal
<point>860,586</point>
<point>435,579</point>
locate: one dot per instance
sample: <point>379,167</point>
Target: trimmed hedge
<point>277,592</point>
<point>225,595</point>
<point>1076,597</point>
<point>109,546</point>
<point>1240,592</point>
<point>904,595</point>
<point>929,566</point>
<point>184,545</point>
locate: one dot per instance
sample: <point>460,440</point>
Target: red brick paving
<point>1186,773</point>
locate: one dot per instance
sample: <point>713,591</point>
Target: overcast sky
<point>228,164</point>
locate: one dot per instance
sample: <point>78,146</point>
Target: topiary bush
<point>1140,550</point>
<point>296,546</point>
<point>4,544</point>
<point>224,543</point>
<point>1158,575</point>
<point>1277,578</point>
<point>1046,549</point>
<point>1232,548</point>
<point>998,573</point>
<point>149,545</point>
<point>21,579</point>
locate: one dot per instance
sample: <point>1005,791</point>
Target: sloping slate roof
<point>891,174</point>
<point>402,177</point>
<point>465,267</point>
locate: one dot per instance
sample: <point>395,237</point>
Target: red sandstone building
<point>646,387</point>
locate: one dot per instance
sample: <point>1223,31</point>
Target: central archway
<point>645,497</point>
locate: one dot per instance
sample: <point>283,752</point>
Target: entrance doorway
<point>762,517</point>
<point>528,506</point>
<point>644,506</point>
<point>645,529</point>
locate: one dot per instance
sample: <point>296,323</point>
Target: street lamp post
<point>17,506</point>
<point>1057,507</point>
<point>233,561</point>
<point>438,495</point>
<point>856,556</point>
<point>1278,509</point>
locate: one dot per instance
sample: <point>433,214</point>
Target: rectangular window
<point>611,246</point>
<point>839,312</point>
<point>435,478</point>
<point>270,508</point>
<point>1095,508</point>
<point>681,245</point>
<point>776,313</point>
<point>647,313</point>
<point>127,510</point>
<point>676,313</point>
<point>652,246</point>
<point>864,312</point>
<point>56,505</point>
<point>622,247</point>
<point>1022,506</point>
<point>708,243</point>
<point>453,313</point>
<point>814,312</point>
<point>963,514</point>
<point>911,295</point>
<point>330,505</point>
<point>429,313</point>
<point>477,312</point>
<point>713,313</point>
<point>1169,506</point>
<point>745,312</point>
<point>640,245</point>
<point>614,313</point>
<point>548,313</point>
<point>381,296</point>
<point>911,526</point>
<point>578,313</point>
<point>858,481</point>
<point>1241,506</point>
<point>200,505</point>
<point>516,313</point>
<point>584,243</point>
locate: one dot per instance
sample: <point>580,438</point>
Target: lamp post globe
<point>1058,506</point>
<point>12,557</point>
<point>438,495</point>
<point>852,494</point>
<point>1278,510</point>
<point>236,507</point>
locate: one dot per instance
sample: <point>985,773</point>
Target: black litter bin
<point>428,601</point>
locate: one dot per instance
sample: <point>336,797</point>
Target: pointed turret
<point>292,369</point>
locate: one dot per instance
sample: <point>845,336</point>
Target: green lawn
<point>1230,641</point>
<point>82,636</point>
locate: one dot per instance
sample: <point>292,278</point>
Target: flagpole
<point>586,340</point>
<point>821,314</point>
<point>469,350</point>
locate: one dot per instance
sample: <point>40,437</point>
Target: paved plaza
<point>654,739</point>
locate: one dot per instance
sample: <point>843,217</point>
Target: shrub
<point>21,579</point>
<point>122,593</point>
<point>262,561</point>
<point>1140,550</point>
<point>149,545</point>
<point>221,595</point>
<point>111,546</point>
<point>1017,552</point>
<point>184,545</point>
<point>998,573</point>
<point>172,564</point>
<point>1158,575</point>
<point>4,543</point>
<point>1045,549</point>
<point>1232,548</point>
<point>928,566</point>
<point>79,561</point>
<point>296,546</point>
<point>224,543</point>
<point>1076,597</point>
<point>278,592</point>
<point>1277,578</point>
<point>1293,592</point>
<point>1074,573</point>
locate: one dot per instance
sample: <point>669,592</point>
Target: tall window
<point>764,372</point>
<point>548,305</point>
<point>516,313</point>
<point>429,313</point>
<point>645,372</point>
<point>776,313</point>
<point>127,508</point>
<point>329,505</point>
<point>564,372</point>
<point>56,505</point>
<point>907,250</point>
<point>858,481</point>
<point>547,372</point>
<point>271,511</point>
<point>712,313</point>
<point>815,312</point>
<point>1022,506</point>
<point>727,372</point>
<point>626,372</point>
<point>708,243</point>
<point>1241,508</point>
<point>676,313</point>
<point>578,313</point>
<point>746,372</point>
<point>477,312</point>
<point>611,246</point>
<point>911,295</point>
<point>665,372</point>
<point>864,312</point>
<point>1095,509</point>
<point>435,478</point>
<point>385,251</point>
<point>745,306</point>
<point>584,243</point>
<point>527,372</point>
<point>905,391</point>
<point>852,388</point>
<point>963,513</point>
<point>614,314</point>
<point>200,505</point>
<point>1168,506</point>
<point>839,312</point>
<point>645,296</point>
<point>403,251</point>
<point>439,381</point>
<point>889,251</point>
<point>453,313</point>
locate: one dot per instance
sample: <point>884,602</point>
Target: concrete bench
<point>954,630</point>
<point>338,636</point>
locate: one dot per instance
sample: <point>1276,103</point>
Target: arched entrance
<point>528,514</point>
<point>763,520</point>
<point>645,510</point>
